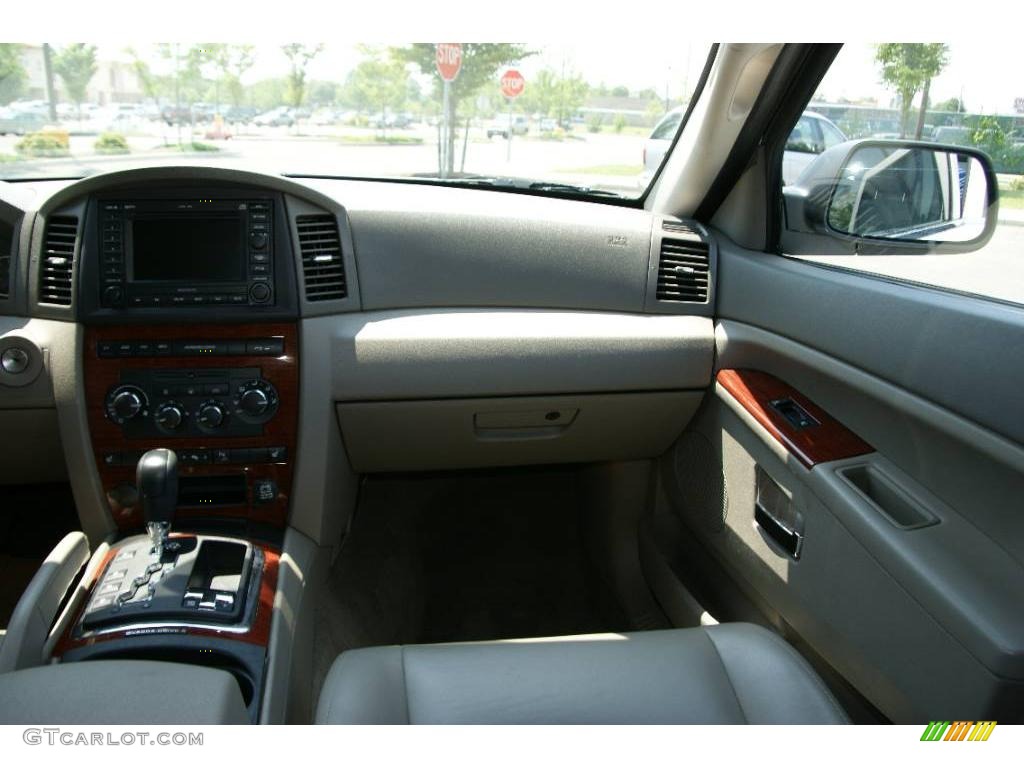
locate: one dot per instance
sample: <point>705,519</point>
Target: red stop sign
<point>512,83</point>
<point>449,60</point>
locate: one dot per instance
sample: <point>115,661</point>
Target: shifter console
<point>159,578</point>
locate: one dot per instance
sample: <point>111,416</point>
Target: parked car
<point>548,124</point>
<point>499,126</point>
<point>951,134</point>
<point>20,122</point>
<point>812,135</point>
<point>240,114</point>
<point>276,118</point>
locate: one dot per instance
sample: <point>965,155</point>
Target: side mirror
<point>892,197</point>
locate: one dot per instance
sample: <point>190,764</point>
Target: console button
<point>259,293</point>
<point>277,453</point>
<point>143,348</point>
<point>162,348</point>
<point>221,456</point>
<point>264,491</point>
<point>274,347</point>
<point>125,349</point>
<point>106,349</point>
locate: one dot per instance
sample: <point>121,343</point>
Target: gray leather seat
<point>731,673</point>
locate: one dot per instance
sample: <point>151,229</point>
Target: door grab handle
<point>789,541</point>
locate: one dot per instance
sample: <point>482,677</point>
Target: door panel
<point>911,564</point>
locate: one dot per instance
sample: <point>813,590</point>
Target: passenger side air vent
<point>683,265</point>
<point>5,275</point>
<point>58,261</point>
<point>322,264</point>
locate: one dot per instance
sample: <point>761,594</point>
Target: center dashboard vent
<point>56,269</point>
<point>323,266</point>
<point>683,265</point>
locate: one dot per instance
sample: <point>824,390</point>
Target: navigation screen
<point>199,250</point>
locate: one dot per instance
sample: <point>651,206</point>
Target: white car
<point>811,136</point>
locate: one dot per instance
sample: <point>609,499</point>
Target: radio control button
<point>169,416</point>
<point>259,293</point>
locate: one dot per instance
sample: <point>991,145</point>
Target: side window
<point>830,134</point>
<point>934,205</point>
<point>667,128</point>
<point>804,136</point>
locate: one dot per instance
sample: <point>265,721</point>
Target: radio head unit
<point>186,253</point>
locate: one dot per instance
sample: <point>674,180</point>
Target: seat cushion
<point>731,673</point>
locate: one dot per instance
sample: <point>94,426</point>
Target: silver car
<point>811,136</point>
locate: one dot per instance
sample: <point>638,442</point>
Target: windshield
<point>547,117</point>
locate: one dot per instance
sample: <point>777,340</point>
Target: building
<point>114,81</point>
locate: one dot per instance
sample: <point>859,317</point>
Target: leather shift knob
<point>157,479</point>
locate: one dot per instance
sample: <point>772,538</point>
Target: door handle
<point>788,540</point>
<point>777,520</point>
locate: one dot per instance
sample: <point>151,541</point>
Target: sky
<point>988,77</point>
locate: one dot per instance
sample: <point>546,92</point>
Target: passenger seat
<point>725,674</point>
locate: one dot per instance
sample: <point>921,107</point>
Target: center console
<point>189,300</point>
<point>224,397</point>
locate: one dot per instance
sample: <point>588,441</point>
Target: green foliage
<point>231,62</point>
<point>44,143</point>
<point>620,91</point>
<point>594,123</point>
<point>908,68</point>
<point>552,95</point>
<point>619,123</point>
<point>653,113</point>
<point>267,94</point>
<point>950,105</point>
<point>12,74</point>
<point>1017,185</point>
<point>112,143</point>
<point>299,56</point>
<point>75,64</point>
<point>377,84</point>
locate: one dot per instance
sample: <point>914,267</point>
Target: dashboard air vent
<point>58,260</point>
<point>322,263</point>
<point>683,266</point>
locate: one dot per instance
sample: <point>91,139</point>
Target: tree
<point>552,95</point>
<point>377,84</point>
<point>12,74</point>
<point>480,65</point>
<point>620,92</point>
<point>908,68</point>
<point>299,56</point>
<point>950,105</point>
<point>76,64</point>
<point>232,61</point>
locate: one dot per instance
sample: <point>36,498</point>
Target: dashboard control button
<point>254,402</point>
<point>264,491</point>
<point>125,349</point>
<point>14,360</point>
<point>259,293</point>
<point>169,416</point>
<point>162,348</point>
<point>113,296</point>
<point>125,403</point>
<point>221,456</point>
<point>210,415</point>
<point>277,453</point>
<point>106,349</point>
<point>258,240</point>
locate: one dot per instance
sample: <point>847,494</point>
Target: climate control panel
<point>202,402</point>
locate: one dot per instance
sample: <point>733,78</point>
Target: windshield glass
<point>547,117</point>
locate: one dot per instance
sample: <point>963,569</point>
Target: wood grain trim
<point>258,633</point>
<point>103,374</point>
<point>829,440</point>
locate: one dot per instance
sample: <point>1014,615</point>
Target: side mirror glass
<point>887,197</point>
<point>910,193</point>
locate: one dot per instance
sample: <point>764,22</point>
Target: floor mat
<point>472,556</point>
<point>34,518</point>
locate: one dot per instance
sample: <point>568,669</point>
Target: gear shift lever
<point>157,479</point>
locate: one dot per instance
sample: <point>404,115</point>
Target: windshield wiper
<point>513,182</point>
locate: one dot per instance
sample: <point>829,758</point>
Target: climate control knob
<point>125,403</point>
<point>257,401</point>
<point>169,416</point>
<point>210,415</point>
<point>254,402</point>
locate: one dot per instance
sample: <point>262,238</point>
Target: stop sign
<point>512,83</point>
<point>449,60</point>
